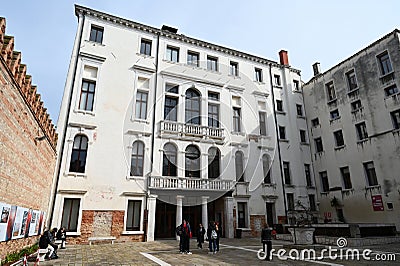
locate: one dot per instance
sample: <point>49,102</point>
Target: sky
<point>311,31</point>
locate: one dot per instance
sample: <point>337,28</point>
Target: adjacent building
<point>27,152</point>
<point>353,114</point>
<point>156,127</point>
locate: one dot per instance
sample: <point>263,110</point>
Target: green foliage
<point>19,254</point>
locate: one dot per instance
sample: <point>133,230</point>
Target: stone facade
<point>357,127</point>
<point>26,162</point>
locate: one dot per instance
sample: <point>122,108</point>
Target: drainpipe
<point>152,135</point>
<point>62,142</point>
<point>277,140</point>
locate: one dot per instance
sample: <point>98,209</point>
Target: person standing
<point>219,234</point>
<point>211,236</point>
<point>266,240</point>
<point>185,237</point>
<point>200,236</point>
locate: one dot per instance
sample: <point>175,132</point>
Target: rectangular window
<point>263,123</point>
<point>133,215</point>
<point>279,105</point>
<point>212,63</point>
<point>96,34</point>
<point>242,214</point>
<point>370,173</point>
<point>356,105</point>
<point>236,119</point>
<point>324,181</point>
<point>141,105</point>
<point>277,80</point>
<point>308,175</point>
<point>145,47</point>
<point>290,201</point>
<point>318,145</point>
<point>87,95</point>
<point>351,80</point>
<point>335,114</point>
<point>384,63</point>
<point>234,68</point>
<point>171,108</point>
<point>296,85</point>
<point>282,132</point>
<point>258,74</point>
<point>330,91</point>
<point>339,140</point>
<point>346,177</point>
<point>172,54</point>
<point>299,109</point>
<point>172,88</point>
<point>315,122</point>
<point>193,58</point>
<point>396,119</point>
<point>213,115</point>
<point>286,173</point>
<point>392,90</point>
<point>361,129</point>
<point>70,214</point>
<point>311,199</point>
<point>303,136</point>
<point>214,96</point>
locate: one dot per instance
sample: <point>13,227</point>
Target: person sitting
<point>46,241</point>
<point>62,235</point>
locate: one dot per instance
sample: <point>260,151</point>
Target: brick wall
<point>256,224</point>
<point>92,221</point>
<point>26,165</point>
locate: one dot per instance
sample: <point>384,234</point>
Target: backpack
<point>179,230</point>
<point>214,234</point>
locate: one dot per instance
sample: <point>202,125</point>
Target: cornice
<point>81,10</point>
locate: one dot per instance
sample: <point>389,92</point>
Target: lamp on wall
<point>40,138</point>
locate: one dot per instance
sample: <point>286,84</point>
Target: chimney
<point>284,58</point>
<point>317,68</point>
<point>169,29</point>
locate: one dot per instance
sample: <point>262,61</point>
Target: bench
<point>41,253</point>
<point>101,238</point>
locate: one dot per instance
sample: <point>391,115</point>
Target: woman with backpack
<point>212,238</point>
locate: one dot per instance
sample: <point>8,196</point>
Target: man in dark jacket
<point>266,240</point>
<point>200,236</point>
<point>47,241</point>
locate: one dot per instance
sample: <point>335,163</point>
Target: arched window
<point>192,107</point>
<point>266,169</point>
<point>78,156</point>
<point>214,157</point>
<point>192,161</point>
<point>239,166</point>
<point>169,160</point>
<point>137,158</point>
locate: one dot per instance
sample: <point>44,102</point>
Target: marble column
<point>179,200</point>
<point>204,211</point>
<point>228,205</point>
<point>151,217</point>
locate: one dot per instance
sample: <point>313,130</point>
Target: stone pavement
<point>165,252</point>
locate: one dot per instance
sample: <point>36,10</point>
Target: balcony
<point>185,183</point>
<point>190,130</point>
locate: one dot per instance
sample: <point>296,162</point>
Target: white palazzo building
<point>156,127</point>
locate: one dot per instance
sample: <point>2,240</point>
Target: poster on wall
<point>34,225</point>
<point>5,213</point>
<point>20,223</point>
<point>10,223</point>
<point>40,224</point>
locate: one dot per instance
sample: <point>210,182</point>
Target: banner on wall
<point>10,223</point>
<point>34,225</point>
<point>20,223</point>
<point>5,214</point>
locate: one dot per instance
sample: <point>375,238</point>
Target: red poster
<point>377,203</point>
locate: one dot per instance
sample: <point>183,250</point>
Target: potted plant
<point>301,219</point>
